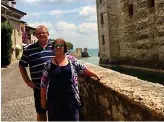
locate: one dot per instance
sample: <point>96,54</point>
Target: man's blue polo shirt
<point>35,56</point>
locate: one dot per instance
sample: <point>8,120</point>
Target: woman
<point>59,86</point>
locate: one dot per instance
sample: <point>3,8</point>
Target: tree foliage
<point>6,43</point>
<point>69,45</point>
<point>51,40</point>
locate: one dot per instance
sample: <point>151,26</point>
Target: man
<point>36,55</point>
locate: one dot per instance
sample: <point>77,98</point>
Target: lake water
<point>94,59</point>
<point>144,75</point>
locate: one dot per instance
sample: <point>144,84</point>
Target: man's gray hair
<point>41,26</point>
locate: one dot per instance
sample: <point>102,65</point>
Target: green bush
<point>6,43</point>
<point>69,45</point>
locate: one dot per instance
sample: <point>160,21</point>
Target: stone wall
<point>120,97</point>
<point>33,37</point>
<point>76,55</point>
<point>78,50</point>
<point>16,41</point>
<point>16,38</point>
<point>103,30</point>
<point>136,39</point>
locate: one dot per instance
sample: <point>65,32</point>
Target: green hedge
<point>6,43</point>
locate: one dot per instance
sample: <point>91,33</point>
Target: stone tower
<point>109,21</point>
<point>131,32</point>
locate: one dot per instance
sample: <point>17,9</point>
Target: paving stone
<point>17,102</point>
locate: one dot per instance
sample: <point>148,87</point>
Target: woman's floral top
<point>76,68</point>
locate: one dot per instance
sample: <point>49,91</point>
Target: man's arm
<point>25,76</point>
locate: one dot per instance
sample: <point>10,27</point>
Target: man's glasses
<point>58,45</point>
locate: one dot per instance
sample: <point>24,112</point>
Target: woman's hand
<point>98,77</point>
<point>88,72</point>
<point>43,103</point>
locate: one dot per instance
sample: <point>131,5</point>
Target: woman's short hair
<point>65,45</point>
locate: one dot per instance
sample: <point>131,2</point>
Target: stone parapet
<point>120,97</point>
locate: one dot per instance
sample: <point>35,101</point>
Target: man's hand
<point>25,77</point>
<point>30,84</point>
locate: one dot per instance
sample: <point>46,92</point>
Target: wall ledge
<point>149,96</point>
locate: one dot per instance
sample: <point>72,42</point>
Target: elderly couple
<point>53,77</point>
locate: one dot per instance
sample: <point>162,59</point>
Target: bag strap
<point>56,62</point>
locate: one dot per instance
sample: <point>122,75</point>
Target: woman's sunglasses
<point>58,45</point>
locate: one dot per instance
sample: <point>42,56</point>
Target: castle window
<point>102,18</point>
<point>103,40</point>
<point>151,3</point>
<point>100,1</point>
<point>131,10</point>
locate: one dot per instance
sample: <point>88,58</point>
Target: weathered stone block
<point>122,98</point>
<point>122,31</point>
<point>103,101</point>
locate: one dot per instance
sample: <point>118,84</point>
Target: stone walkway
<point>17,103</point>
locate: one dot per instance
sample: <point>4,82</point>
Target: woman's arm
<point>82,69</point>
<point>88,72</point>
<point>43,87</point>
<point>43,97</point>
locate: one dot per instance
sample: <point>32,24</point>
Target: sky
<point>73,20</point>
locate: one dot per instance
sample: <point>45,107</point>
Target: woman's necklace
<point>59,61</point>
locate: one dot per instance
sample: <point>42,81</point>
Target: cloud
<point>58,13</point>
<point>84,27</point>
<point>35,15</point>
<point>37,2</point>
<point>52,0</point>
<point>63,26</point>
<point>82,35</point>
<point>77,22</point>
<point>70,0</point>
<point>87,10</point>
<point>87,27</point>
<point>91,19</point>
<point>33,2</point>
<point>49,25</point>
<point>89,13</point>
